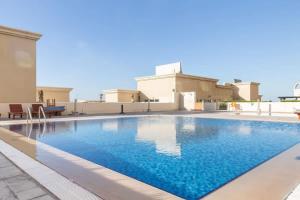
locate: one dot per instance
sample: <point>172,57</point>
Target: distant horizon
<point>106,44</point>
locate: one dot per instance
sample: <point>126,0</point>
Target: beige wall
<point>59,94</point>
<point>111,97</point>
<point>128,97</point>
<point>254,92</point>
<point>223,93</point>
<point>205,89</point>
<point>102,108</point>
<point>160,88</point>
<point>121,96</point>
<point>115,108</point>
<point>246,91</point>
<point>17,65</point>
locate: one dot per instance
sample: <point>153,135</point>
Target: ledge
<point>19,33</point>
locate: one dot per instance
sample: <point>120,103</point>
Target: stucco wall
<point>121,96</point>
<point>59,95</point>
<point>17,69</point>
<point>159,88</point>
<point>254,92</point>
<point>162,88</point>
<point>102,108</point>
<point>106,108</point>
<point>205,90</point>
<point>246,91</point>
<point>111,97</point>
<point>223,94</point>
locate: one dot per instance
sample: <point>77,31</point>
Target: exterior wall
<point>127,97</point>
<point>59,94</point>
<point>223,94</point>
<point>111,97</point>
<point>162,88</point>
<point>121,96</point>
<point>115,108</point>
<point>158,88</point>
<point>246,91</point>
<point>254,92</point>
<point>102,108</point>
<point>205,89</point>
<point>172,68</point>
<point>17,66</point>
<point>187,101</point>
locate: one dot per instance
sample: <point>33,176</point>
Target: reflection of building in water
<point>118,124</point>
<point>244,129</point>
<point>187,125</point>
<point>160,131</point>
<point>191,128</point>
<point>111,125</point>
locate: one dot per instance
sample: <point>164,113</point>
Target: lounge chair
<point>49,111</point>
<point>35,109</point>
<point>16,110</point>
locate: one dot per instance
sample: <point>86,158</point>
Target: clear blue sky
<point>95,45</point>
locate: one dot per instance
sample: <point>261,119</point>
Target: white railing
<point>41,110</point>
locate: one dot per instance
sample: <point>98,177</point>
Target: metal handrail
<point>28,132</point>
<point>41,109</point>
<point>29,115</point>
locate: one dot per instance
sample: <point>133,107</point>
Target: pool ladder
<point>28,115</point>
<point>41,111</point>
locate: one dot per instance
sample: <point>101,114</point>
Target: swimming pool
<point>186,156</point>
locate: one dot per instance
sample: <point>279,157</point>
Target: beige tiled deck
<point>16,184</point>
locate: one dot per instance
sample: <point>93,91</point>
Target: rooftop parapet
<point>19,33</point>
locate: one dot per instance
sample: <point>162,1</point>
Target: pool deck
<point>16,184</point>
<point>274,179</point>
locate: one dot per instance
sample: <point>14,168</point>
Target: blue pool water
<point>188,157</point>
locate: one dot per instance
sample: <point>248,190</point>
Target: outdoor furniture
<point>35,110</point>
<point>289,98</point>
<point>55,110</point>
<point>49,111</point>
<point>16,110</point>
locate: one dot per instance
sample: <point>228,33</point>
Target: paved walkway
<point>15,184</point>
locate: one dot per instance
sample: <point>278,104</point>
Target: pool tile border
<point>52,181</point>
<point>295,195</point>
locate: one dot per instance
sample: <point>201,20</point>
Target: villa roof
<point>120,90</point>
<point>180,75</point>
<point>224,86</point>
<point>19,33</point>
<point>46,88</point>
<point>246,83</point>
